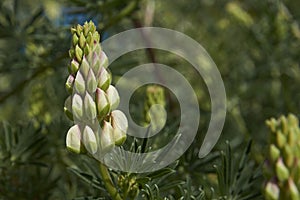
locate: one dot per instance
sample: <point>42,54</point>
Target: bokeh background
<point>254,43</point>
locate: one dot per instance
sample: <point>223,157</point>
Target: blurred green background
<point>254,43</point>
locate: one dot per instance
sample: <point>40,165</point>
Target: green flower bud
<point>154,107</point>
<point>86,49</point>
<point>73,67</point>
<point>86,28</point>
<point>89,39</point>
<point>272,191</point>
<point>75,39</point>
<point>84,68</point>
<point>91,82</point>
<point>72,53</point>
<point>78,53</point>
<point>282,171</point>
<point>81,40</point>
<point>106,137</point>
<point>113,97</point>
<point>89,140</point>
<point>284,124</point>
<point>280,139</point>
<point>134,191</point>
<point>73,30</point>
<point>68,108</point>
<point>104,79</point>
<point>73,140</point>
<point>70,84</point>
<point>271,123</point>
<point>78,29</point>
<point>77,106</point>
<point>79,83</point>
<point>288,156</point>
<point>293,190</point>
<point>120,125</point>
<point>90,107</point>
<point>274,153</point>
<point>103,106</point>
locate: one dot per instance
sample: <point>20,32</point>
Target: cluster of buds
<point>154,107</point>
<point>283,165</point>
<point>129,186</point>
<point>93,100</point>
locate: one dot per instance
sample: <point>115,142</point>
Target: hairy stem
<point>108,183</point>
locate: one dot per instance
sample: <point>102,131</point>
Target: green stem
<point>108,183</point>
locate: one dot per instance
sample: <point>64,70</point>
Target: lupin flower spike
<point>92,98</point>
<point>153,113</point>
<point>283,169</point>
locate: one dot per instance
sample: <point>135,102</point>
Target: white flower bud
<point>79,83</point>
<point>89,140</point>
<point>91,82</point>
<point>106,137</point>
<point>84,68</point>
<point>103,106</point>
<point>113,97</point>
<point>272,191</point>
<point>120,125</point>
<point>104,79</point>
<point>90,107</point>
<point>103,59</point>
<point>77,106</point>
<point>73,141</point>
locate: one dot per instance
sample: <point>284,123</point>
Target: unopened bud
<point>103,106</point>
<point>104,79</point>
<point>91,82</point>
<point>84,67</point>
<point>73,67</point>
<point>113,97</point>
<point>75,39</point>
<point>293,190</point>
<point>120,125</point>
<point>68,108</point>
<point>272,191</point>
<point>89,140</point>
<point>90,107</point>
<point>274,153</point>
<point>78,53</point>
<point>73,140</point>
<point>106,137</point>
<point>282,171</point>
<point>81,40</point>
<point>280,139</point>
<point>80,83</point>
<point>103,59</point>
<point>70,84</point>
<point>77,107</point>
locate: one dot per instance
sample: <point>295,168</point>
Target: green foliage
<point>23,152</point>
